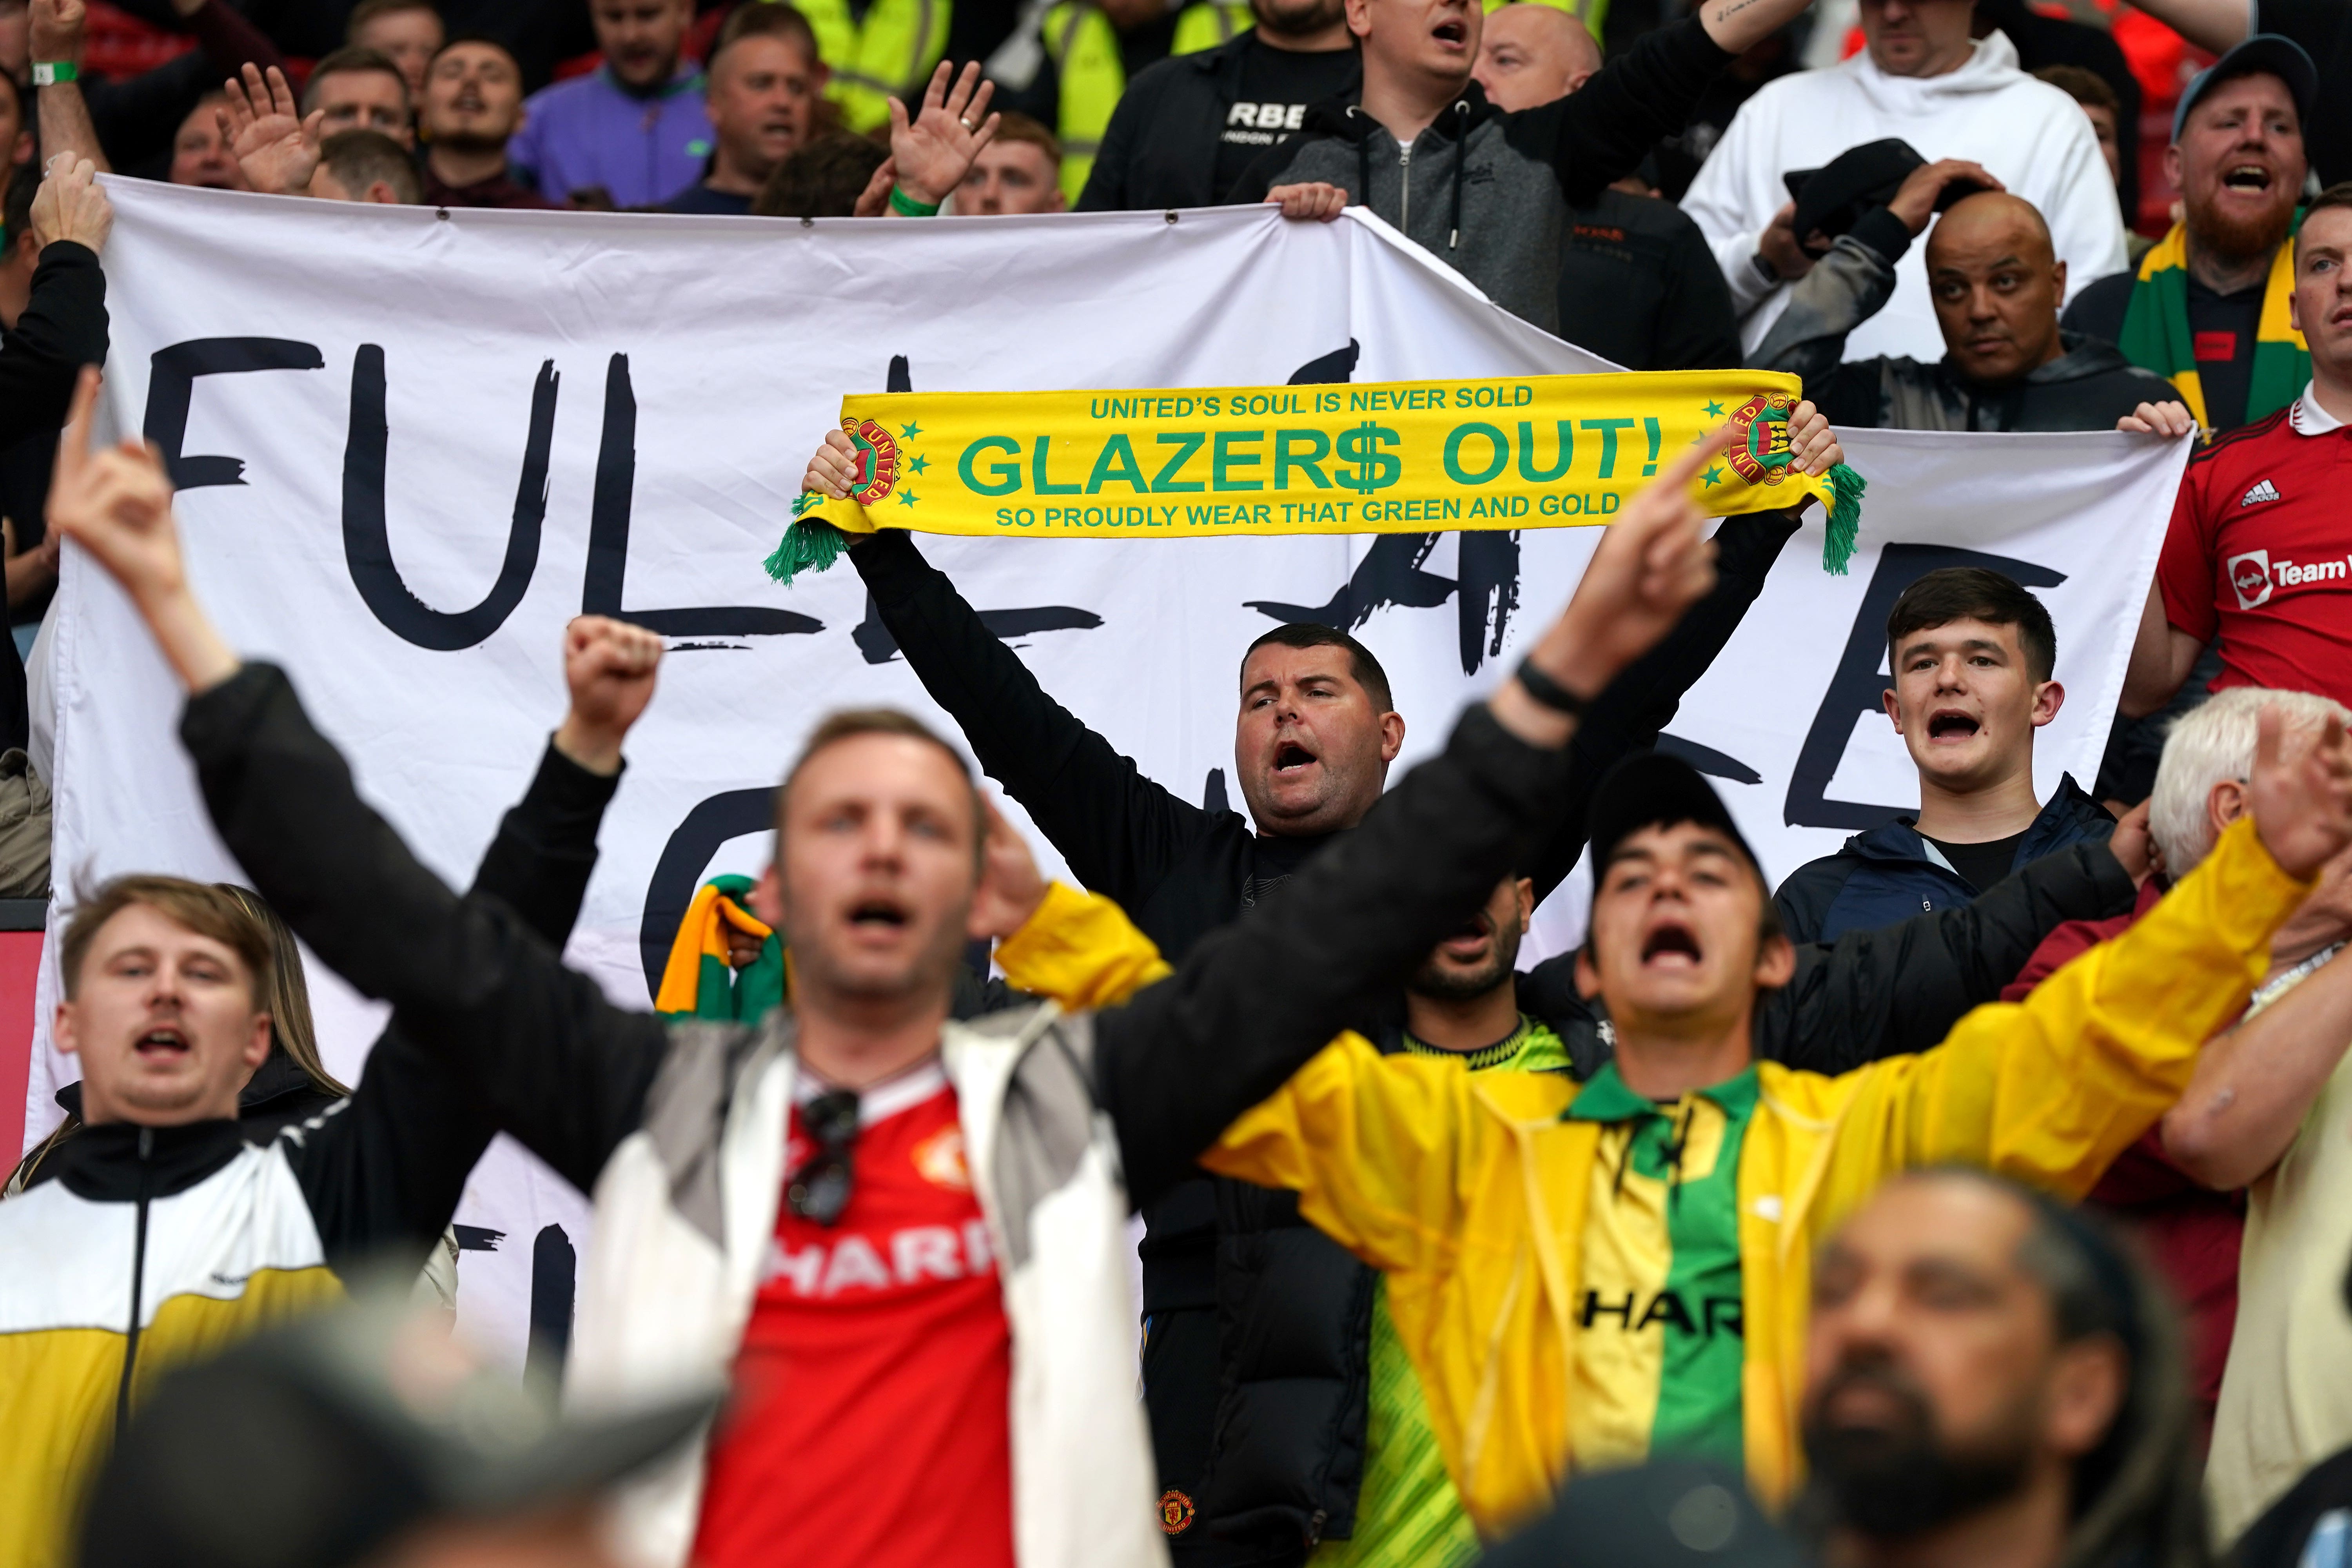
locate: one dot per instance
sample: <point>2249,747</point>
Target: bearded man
<point>2208,308</point>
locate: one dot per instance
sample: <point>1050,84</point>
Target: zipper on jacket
<point>138,1278</point>
<point>1315,1523</point>
<point>1404,180</point>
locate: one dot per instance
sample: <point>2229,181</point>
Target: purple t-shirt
<point>591,131</point>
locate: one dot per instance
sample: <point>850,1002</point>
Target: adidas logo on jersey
<point>2259,494</point>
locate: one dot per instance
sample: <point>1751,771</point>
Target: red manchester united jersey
<point>2260,553</point>
<point>871,1423</point>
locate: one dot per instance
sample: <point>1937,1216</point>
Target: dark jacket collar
<point>2068,815</point>
<point>277,1078</point>
<point>114,1163</point>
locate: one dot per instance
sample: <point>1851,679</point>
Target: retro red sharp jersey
<point>2260,553</point>
<point>871,1426</point>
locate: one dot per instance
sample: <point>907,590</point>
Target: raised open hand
<point>610,667</point>
<point>935,149</point>
<point>277,148</point>
<point>2302,805</point>
<point>1011,886</point>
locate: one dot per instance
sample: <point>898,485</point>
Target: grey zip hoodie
<point>1488,192</point>
<point>2088,387</point>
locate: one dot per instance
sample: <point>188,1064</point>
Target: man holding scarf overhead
<point>1313,738</point>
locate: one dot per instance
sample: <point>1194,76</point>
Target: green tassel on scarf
<point>810,543</point>
<point>1845,519</point>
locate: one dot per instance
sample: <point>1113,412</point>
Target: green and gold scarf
<point>2156,334</point>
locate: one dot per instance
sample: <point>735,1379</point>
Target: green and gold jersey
<point>1658,1346</point>
<point>1408,1514</point>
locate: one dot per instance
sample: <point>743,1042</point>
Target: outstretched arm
<point>1255,1000</point>
<point>1119,831</point>
<point>1901,988</point>
<point>2051,1089</point>
<point>63,325</point>
<point>55,37</point>
<point>469,983</point>
<point>1642,701</point>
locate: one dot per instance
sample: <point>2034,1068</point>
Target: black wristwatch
<point>1547,691</point>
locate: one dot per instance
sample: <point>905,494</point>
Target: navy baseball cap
<point>1655,789</point>
<point>2263,54</point>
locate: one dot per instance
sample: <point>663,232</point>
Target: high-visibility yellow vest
<point>1208,22</point>
<point>889,55</point>
<point>1083,48</point>
<point>1591,13</point>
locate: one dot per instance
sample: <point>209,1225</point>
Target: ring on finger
<point>966,122</point>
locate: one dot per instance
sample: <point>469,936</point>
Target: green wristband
<point>906,206</point>
<point>48,73</point>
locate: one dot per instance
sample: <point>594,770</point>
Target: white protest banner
<point>412,444</point>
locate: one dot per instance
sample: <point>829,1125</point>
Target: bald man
<point>1996,283</point>
<point>1532,54</point>
<point>1637,283</point>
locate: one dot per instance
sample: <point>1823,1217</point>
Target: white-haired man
<point>2266,1112</point>
<point>2254,1091</point>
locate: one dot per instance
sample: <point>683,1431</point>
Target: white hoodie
<point>2032,137</point>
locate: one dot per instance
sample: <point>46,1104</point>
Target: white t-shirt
<point>2034,137</point>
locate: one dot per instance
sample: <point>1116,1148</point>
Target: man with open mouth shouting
<point>1252,1321</point>
<point>2207,308</point>
<point>904,1235</point>
<point>1586,1275</point>
<point>1972,654</point>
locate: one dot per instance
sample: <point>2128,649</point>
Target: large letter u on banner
<point>367,545</point>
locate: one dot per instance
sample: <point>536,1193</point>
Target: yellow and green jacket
<point>1472,1192</point>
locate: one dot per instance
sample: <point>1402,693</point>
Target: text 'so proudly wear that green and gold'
<point>1509,452</point>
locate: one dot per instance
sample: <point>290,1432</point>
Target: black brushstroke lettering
<point>608,539</point>
<point>367,542</point>
<point>172,384</point>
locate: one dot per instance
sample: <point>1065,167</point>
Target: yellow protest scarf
<point>1508,452</point>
